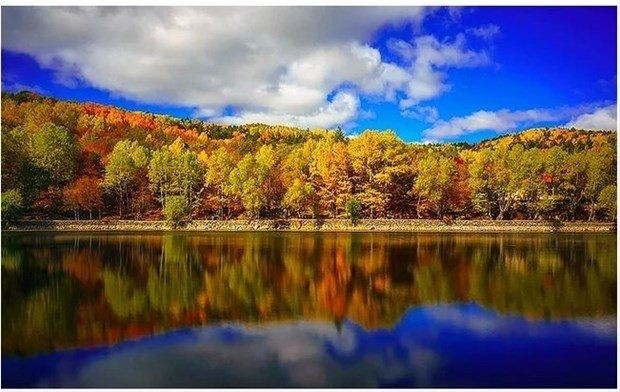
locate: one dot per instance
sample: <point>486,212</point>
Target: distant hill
<point>569,139</point>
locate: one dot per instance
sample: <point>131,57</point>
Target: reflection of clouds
<point>293,355</point>
<point>467,317</point>
<point>427,346</point>
<point>477,320</point>
<point>605,328</point>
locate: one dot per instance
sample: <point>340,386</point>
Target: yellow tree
<point>330,171</point>
<point>377,159</point>
<point>297,180</point>
<point>218,166</point>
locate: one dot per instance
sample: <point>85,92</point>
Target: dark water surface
<point>308,309</point>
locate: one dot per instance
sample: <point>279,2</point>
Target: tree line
<point>83,161</point>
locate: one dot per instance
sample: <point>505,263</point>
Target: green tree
<point>126,162</point>
<point>176,171</point>
<point>175,210</point>
<point>600,172</point>
<point>607,201</point>
<point>54,150</point>
<point>12,205</point>
<point>354,210</point>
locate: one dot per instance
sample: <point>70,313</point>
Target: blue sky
<point>430,74</point>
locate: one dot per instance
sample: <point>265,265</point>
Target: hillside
<point>65,159</point>
<point>568,139</point>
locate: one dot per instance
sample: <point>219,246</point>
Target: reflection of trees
<point>42,320</point>
<point>73,289</point>
<point>125,299</point>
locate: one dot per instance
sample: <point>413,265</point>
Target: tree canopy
<point>68,159</point>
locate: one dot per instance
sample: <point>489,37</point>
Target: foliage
<point>12,205</point>
<point>354,209</point>
<point>125,164</point>
<point>607,201</point>
<point>89,157</point>
<point>175,210</point>
<point>54,151</point>
<point>174,170</point>
<point>434,181</point>
<point>83,195</point>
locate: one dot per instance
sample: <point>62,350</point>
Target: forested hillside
<point>73,160</point>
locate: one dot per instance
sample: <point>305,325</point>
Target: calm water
<point>293,309</point>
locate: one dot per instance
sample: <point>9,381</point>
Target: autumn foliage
<point>84,160</point>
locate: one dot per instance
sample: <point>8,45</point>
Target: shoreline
<point>320,225</point>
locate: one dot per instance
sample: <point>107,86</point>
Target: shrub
<point>175,210</point>
<point>12,204</point>
<point>354,210</point>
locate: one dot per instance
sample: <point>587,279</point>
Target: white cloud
<point>506,120</point>
<point>426,114</point>
<point>428,57</point>
<point>602,118</point>
<point>306,66</point>
<point>342,108</point>
<point>486,32</point>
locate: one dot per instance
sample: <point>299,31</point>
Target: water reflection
<point>440,346</point>
<point>81,290</point>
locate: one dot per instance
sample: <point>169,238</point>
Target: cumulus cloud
<point>341,109</point>
<point>305,66</point>
<point>506,120</point>
<point>602,118</point>
<point>428,57</point>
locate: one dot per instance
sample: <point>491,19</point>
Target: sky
<point>431,74</point>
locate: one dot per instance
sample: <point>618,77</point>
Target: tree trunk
<point>592,212</point>
<point>417,208</point>
<point>120,205</point>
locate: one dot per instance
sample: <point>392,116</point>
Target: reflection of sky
<point>451,346</point>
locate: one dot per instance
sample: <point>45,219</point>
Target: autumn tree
<point>174,170</point>
<point>300,196</point>
<point>433,182</point>
<point>54,151</point>
<point>249,179</point>
<point>601,172</point>
<point>125,164</point>
<point>607,201</point>
<point>377,158</point>
<point>330,173</point>
<point>218,166</point>
<point>84,194</point>
<point>12,205</point>
<point>492,181</point>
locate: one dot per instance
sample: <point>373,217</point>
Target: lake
<point>308,309</point>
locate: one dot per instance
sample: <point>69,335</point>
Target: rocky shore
<point>327,225</point>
